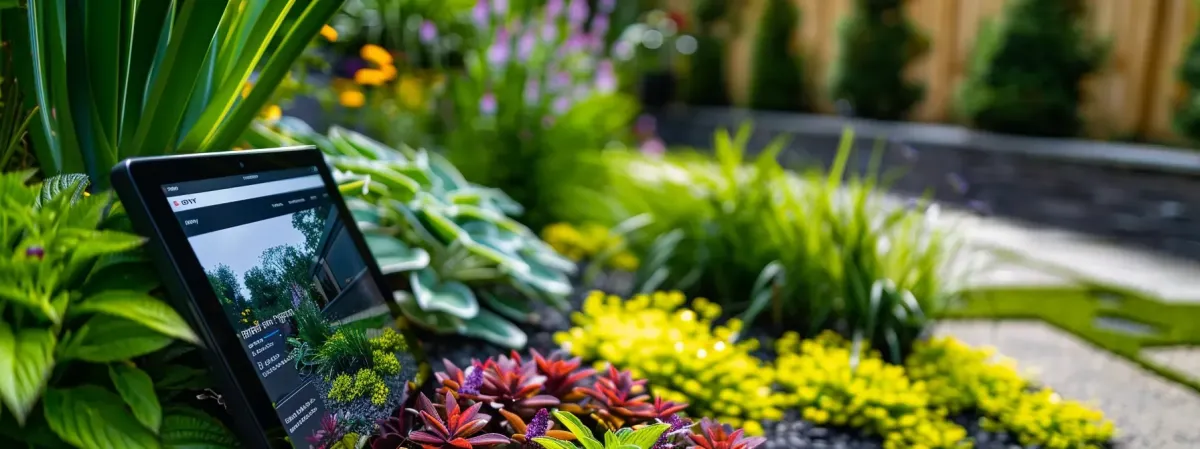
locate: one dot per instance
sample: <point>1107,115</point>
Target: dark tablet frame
<point>139,184</point>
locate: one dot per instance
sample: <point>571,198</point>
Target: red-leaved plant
<point>504,382</point>
<point>455,429</point>
<point>618,399</point>
<point>713,435</point>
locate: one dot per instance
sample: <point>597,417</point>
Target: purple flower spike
<point>498,52</point>
<point>560,80</point>
<point>561,104</point>
<point>525,45</point>
<point>577,12</point>
<point>475,377</point>
<point>487,106</point>
<point>537,428</point>
<point>607,6</point>
<point>428,33</point>
<point>678,426</point>
<point>600,26</point>
<point>606,78</point>
<point>500,7</point>
<point>480,14</point>
<point>957,183</point>
<point>549,32</point>
<point>554,9</point>
<point>35,251</point>
<point>533,91</point>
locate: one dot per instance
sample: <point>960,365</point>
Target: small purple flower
<point>537,427</point>
<point>979,207</point>
<point>554,9</point>
<point>560,81</point>
<point>653,147</point>
<point>549,32</point>
<point>623,50</point>
<point>577,12</point>
<point>428,33</point>
<point>600,25</point>
<point>35,251</point>
<point>678,426</point>
<point>561,104</point>
<point>480,14</point>
<point>957,183</point>
<point>533,91</point>
<point>646,126</point>
<point>487,106</point>
<point>606,77</point>
<point>525,45</point>
<point>498,52</point>
<point>500,7</point>
<point>473,381</point>
<point>607,6</point>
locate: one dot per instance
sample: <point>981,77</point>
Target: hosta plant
<point>471,267</point>
<point>128,78</point>
<point>86,355</point>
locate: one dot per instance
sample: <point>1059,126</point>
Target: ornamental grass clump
<point>960,378</point>
<point>819,379</point>
<point>679,351</point>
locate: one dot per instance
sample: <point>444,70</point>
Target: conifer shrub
<point>877,44</point>
<point>778,82</point>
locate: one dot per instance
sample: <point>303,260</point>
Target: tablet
<point>258,251</point>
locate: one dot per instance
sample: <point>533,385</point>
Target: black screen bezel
<point>147,176</point>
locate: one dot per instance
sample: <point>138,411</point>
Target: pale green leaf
<point>106,338</point>
<point>394,256</point>
<point>92,417</point>
<point>645,437</point>
<point>137,389</point>
<point>554,443</point>
<point>141,308</point>
<point>576,427</point>
<point>494,328</point>
<point>437,295</point>
<point>26,360</point>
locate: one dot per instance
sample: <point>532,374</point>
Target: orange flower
<point>377,55</point>
<point>370,77</point>
<point>272,113</point>
<point>329,33</point>
<point>352,98</point>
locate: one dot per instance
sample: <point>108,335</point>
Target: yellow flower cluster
<point>247,317</point>
<point>960,377</point>
<point>587,241</point>
<point>385,362</point>
<point>818,378</point>
<point>679,351</point>
<point>390,341</point>
<point>346,389</point>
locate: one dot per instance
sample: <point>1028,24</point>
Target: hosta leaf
<point>137,390</point>
<point>438,322</point>
<point>394,256</point>
<point>106,338</point>
<point>543,278</point>
<point>192,429</point>
<point>513,307</point>
<point>494,328</point>
<point>141,308</point>
<point>71,185</point>
<point>26,360</point>
<point>92,417</point>
<point>436,295</point>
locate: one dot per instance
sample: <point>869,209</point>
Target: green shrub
<point>472,267</point>
<point>342,389</point>
<point>1026,72</point>
<point>706,79</point>
<point>805,252</point>
<point>83,329</point>
<point>678,350</point>
<point>778,71</point>
<point>385,362</point>
<point>348,348</point>
<point>877,45</point>
<point>1187,111</point>
<point>389,341</point>
<point>311,327</point>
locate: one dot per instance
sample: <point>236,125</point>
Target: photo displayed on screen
<point>310,317</point>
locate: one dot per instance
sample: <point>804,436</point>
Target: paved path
<point>1150,412</point>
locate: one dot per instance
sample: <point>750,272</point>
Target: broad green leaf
<point>187,428</point>
<point>544,278</point>
<point>89,243</point>
<point>514,307</point>
<point>92,417</point>
<point>137,390</point>
<point>576,427</point>
<point>26,360</point>
<point>611,440</point>
<point>136,277</point>
<point>439,295</point>
<point>645,437</point>
<point>108,339</point>
<point>141,308</point>
<point>491,327</point>
<point>394,256</point>
<point>438,322</point>
<point>554,443</point>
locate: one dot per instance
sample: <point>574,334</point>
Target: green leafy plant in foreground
<point>809,252</point>
<point>84,343</point>
<point>625,438</point>
<point>129,78</point>
<point>470,266</point>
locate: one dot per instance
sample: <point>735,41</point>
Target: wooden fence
<point>1133,96</point>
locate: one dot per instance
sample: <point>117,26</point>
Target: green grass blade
<point>148,19</point>
<point>193,32</point>
<point>231,21</point>
<point>15,25</point>
<point>306,27</point>
<point>843,155</point>
<point>103,31</point>
<point>52,30</point>
<point>231,87</point>
<point>89,132</point>
<point>201,94</point>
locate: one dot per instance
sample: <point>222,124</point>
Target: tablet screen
<point>306,309</point>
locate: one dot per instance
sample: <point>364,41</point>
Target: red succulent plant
<point>540,426</point>
<point>455,429</point>
<point>563,375</point>
<point>329,432</point>
<point>393,430</point>
<point>713,435</point>
<point>664,409</point>
<point>503,381</point>
<point>619,400</point>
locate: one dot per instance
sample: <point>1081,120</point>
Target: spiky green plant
<point>877,44</point>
